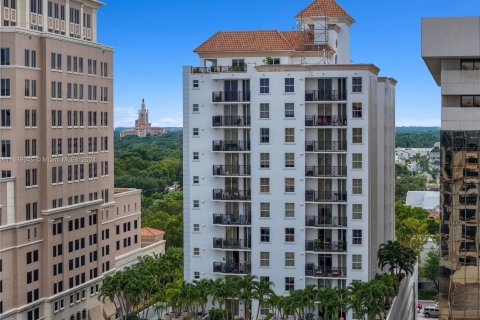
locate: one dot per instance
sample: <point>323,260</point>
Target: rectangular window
<point>289,210</point>
<point>357,211</point>
<point>289,259</point>
<point>356,236</point>
<point>264,85</point>
<point>196,227</point>
<point>264,110</point>
<point>264,234</point>
<point>196,180</point>
<point>195,132</point>
<point>196,203</point>
<point>264,259</point>
<point>357,161</point>
<point>4,87</point>
<point>289,110</point>
<point>264,135</point>
<point>289,85</point>
<point>470,101</point>
<point>265,210</point>
<point>5,118</point>
<point>357,135</point>
<point>196,156</point>
<point>195,108</point>
<point>264,184</point>
<point>470,64</point>
<point>289,135</point>
<point>289,160</point>
<point>195,84</point>
<point>4,56</point>
<point>357,186</point>
<point>356,84</point>
<point>289,235</point>
<point>289,184</point>
<point>196,251</point>
<point>264,160</point>
<point>289,283</point>
<point>357,262</point>
<point>357,110</point>
<point>6,149</point>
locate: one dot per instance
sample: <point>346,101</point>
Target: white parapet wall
<point>404,305</point>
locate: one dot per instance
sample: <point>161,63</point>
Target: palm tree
<point>399,258</point>
<point>309,296</point>
<point>247,287</point>
<point>262,290</point>
<point>358,302</point>
<point>203,290</point>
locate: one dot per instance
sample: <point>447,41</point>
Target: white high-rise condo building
<point>288,156</point>
<point>451,50</point>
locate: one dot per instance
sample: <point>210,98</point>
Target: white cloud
<point>418,123</point>
<point>168,122</point>
<point>125,117</point>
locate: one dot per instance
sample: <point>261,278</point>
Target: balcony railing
<point>230,145</point>
<point>326,171</point>
<point>230,121</point>
<point>231,96</point>
<point>322,121</point>
<point>330,146</point>
<point>239,244</point>
<point>321,221</point>
<point>325,246</point>
<point>232,170</point>
<point>312,270</point>
<point>233,195</point>
<point>218,69</point>
<point>325,196</point>
<point>232,268</point>
<point>325,95</point>
<point>231,220</point>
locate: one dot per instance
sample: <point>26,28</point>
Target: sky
<point>153,39</point>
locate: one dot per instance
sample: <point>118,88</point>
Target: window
<point>264,184</point>
<point>289,135</point>
<point>238,63</point>
<point>196,251</point>
<point>6,149</point>
<point>264,234</point>
<point>264,110</point>
<point>196,156</point>
<point>195,84</point>
<point>264,85</point>
<point>195,132</point>
<point>264,160</point>
<point>357,135</point>
<point>265,210</point>
<point>356,84</point>
<point>470,64</point>
<point>4,56</point>
<point>289,235</point>
<point>289,184</point>
<point>195,108</point>
<point>357,161</point>
<point>289,283</point>
<point>5,118</point>
<point>196,203</point>
<point>356,236</point>
<point>357,262</point>
<point>470,101</point>
<point>357,186</point>
<point>264,259</point>
<point>357,211</point>
<point>289,160</point>
<point>264,135</point>
<point>289,85</point>
<point>196,274</point>
<point>196,180</point>
<point>289,110</point>
<point>4,87</point>
<point>196,227</point>
<point>289,259</point>
<point>357,110</point>
<point>289,210</point>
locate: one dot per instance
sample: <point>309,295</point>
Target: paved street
<point>424,303</point>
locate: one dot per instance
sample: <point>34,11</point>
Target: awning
<point>109,309</point>
<point>95,313</point>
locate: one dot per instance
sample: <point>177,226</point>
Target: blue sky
<point>153,39</point>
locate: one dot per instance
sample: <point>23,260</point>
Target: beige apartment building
<point>63,226</point>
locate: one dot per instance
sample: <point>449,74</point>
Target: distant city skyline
<point>149,55</point>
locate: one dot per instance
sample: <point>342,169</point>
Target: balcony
<point>325,95</point>
<point>319,245</point>
<point>326,171</point>
<point>230,121</point>
<point>232,195</point>
<point>325,146</point>
<point>231,171</point>
<point>232,268</point>
<point>219,69</point>
<point>311,270</point>
<point>325,196</point>
<point>325,222</point>
<point>231,96</point>
<point>232,244</point>
<point>230,145</point>
<point>231,220</point>
<point>323,121</point>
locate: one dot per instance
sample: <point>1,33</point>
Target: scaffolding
<point>315,37</point>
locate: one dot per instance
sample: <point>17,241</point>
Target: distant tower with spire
<point>143,128</point>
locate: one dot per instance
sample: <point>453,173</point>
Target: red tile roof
<point>149,232</point>
<point>263,40</point>
<point>323,8</point>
